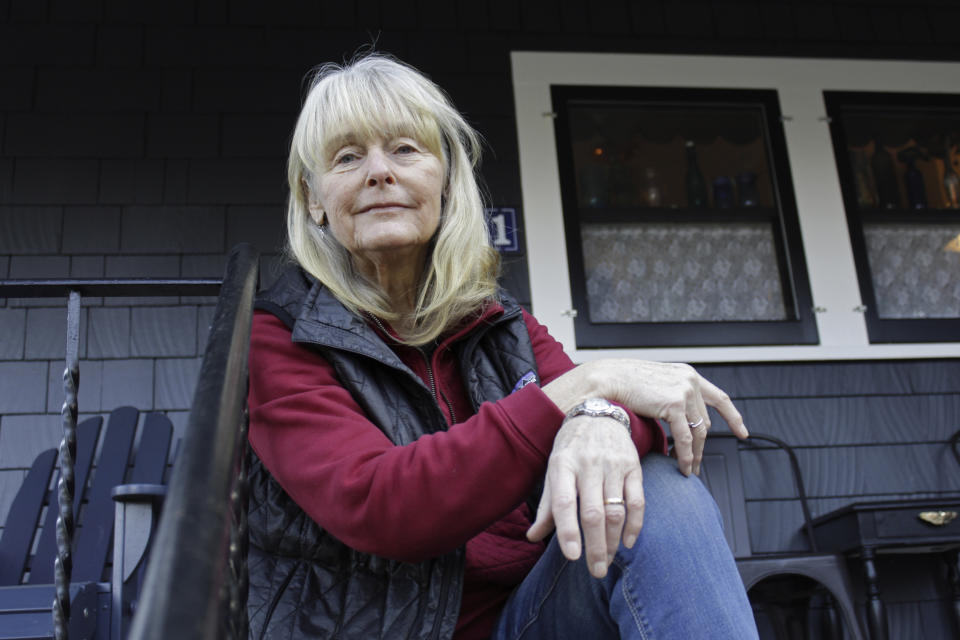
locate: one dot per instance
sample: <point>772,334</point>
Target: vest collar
<point>324,321</point>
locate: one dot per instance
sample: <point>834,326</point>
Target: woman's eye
<point>406,148</point>
<point>345,158</point>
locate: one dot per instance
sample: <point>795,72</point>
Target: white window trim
<point>800,84</point>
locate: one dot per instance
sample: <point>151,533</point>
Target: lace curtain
<point>682,272</point>
<point>913,276</point>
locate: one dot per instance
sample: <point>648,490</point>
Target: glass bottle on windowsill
<point>695,185</point>
<point>884,177</point>
<point>722,192</point>
<point>747,189</point>
<point>651,194</point>
<point>951,181</point>
<point>863,179</point>
<point>912,178</point>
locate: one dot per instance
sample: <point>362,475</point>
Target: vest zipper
<point>446,401</point>
<point>444,589</point>
<point>436,393</point>
<point>433,382</point>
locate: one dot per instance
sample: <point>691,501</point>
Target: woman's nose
<point>379,169</point>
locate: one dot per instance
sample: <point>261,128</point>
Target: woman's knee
<point>661,476</point>
<point>673,497</point>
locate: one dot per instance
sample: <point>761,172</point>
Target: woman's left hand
<point>593,459</point>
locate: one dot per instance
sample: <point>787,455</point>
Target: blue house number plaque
<point>502,224</point>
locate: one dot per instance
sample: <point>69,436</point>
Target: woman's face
<point>382,198</point>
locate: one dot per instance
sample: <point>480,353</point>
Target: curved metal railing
<point>190,591</point>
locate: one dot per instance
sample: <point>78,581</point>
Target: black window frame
<point>886,330</point>
<point>799,329</point>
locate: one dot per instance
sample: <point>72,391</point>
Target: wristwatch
<point>600,407</point>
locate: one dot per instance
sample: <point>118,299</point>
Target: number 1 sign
<point>502,224</point>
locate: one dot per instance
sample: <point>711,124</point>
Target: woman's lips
<point>383,206</point>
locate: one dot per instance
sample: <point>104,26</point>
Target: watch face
<point>595,404</point>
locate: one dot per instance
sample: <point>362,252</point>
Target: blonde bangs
<point>346,108</point>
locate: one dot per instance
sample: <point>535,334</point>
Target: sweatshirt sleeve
<point>405,502</point>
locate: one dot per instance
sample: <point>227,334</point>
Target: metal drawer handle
<point>937,518</point>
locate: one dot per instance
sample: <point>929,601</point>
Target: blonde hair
<point>378,95</point>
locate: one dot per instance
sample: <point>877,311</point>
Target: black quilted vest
<point>304,583</point>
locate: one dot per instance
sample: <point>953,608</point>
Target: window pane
<point>904,160</point>
<point>650,272</point>
<point>641,156</point>
<point>915,269</point>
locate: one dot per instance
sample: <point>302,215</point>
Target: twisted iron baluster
<point>239,539</point>
<point>63,564</point>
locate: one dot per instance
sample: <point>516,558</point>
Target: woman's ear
<point>313,203</point>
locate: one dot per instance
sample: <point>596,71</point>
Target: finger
<point>614,514</point>
<point>698,420</point>
<point>593,520</point>
<point>700,407</point>
<point>563,505</point>
<point>543,523</point>
<point>699,434</point>
<point>633,494</point>
<point>699,440</point>
<point>717,398</point>
<point>682,442</point>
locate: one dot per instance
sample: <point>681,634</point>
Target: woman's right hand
<point>674,393</point>
<point>593,462</point>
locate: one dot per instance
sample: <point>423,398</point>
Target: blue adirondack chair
<point>100,602</point>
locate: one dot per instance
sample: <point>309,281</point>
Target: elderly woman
<point>427,462</point>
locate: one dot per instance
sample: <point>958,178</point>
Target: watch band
<point>597,407</point>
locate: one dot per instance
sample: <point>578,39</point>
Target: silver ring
<point>694,425</point>
<point>614,501</point>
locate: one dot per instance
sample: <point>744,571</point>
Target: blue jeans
<point>679,580</point>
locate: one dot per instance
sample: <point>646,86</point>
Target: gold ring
<point>613,501</point>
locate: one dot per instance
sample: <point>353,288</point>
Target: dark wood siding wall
<point>862,431</point>
<point>146,138</point>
